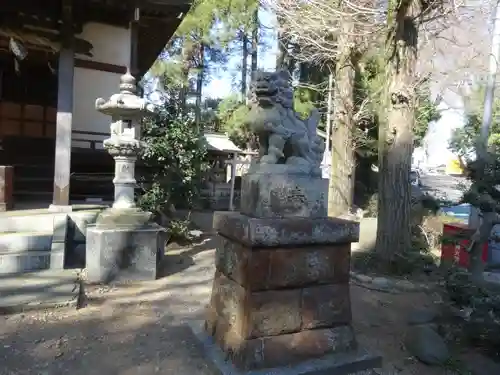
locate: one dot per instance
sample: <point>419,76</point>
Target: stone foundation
<point>281,290</point>
<point>124,254</point>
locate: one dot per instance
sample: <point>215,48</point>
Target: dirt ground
<point>140,329</point>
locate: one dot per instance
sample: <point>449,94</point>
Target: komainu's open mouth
<point>265,89</point>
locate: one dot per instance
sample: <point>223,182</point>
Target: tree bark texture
<point>341,185</point>
<point>244,64</point>
<point>396,131</point>
<point>479,240</point>
<point>255,42</point>
<point>283,56</point>
<point>199,84</point>
<point>187,55</point>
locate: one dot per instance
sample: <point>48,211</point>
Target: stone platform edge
<point>296,231</point>
<point>38,306</point>
<point>332,364</point>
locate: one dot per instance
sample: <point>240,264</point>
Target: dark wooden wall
<point>27,136</point>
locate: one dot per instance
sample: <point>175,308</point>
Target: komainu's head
<point>270,88</point>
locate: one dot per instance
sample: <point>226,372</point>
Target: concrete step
<point>38,290</point>
<point>26,221</point>
<point>40,220</point>
<point>19,242</point>
<point>27,261</point>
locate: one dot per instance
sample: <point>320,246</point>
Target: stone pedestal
<point>123,246</point>
<point>6,187</point>
<point>281,295</point>
<point>274,194</point>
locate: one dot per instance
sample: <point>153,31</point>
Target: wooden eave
<point>36,19</point>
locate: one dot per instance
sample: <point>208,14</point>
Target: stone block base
<point>124,254</point>
<point>283,195</point>
<point>275,306</point>
<point>341,363</point>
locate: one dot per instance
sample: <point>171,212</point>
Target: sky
<point>221,86</point>
<point>439,133</point>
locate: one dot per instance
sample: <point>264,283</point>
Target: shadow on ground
<point>126,329</point>
<point>129,341</point>
<point>178,259</point>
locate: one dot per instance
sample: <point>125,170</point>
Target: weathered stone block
<point>228,303</point>
<point>269,195</point>
<point>282,350</point>
<point>273,268</point>
<point>274,312</point>
<point>255,314</point>
<point>6,187</point>
<point>289,231</point>
<point>326,306</point>
<point>123,253</point>
<point>249,314</point>
<point>308,265</point>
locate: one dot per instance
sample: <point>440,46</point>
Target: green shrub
<point>174,160</point>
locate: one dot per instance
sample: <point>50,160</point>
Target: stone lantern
<point>125,109</point>
<point>124,244</point>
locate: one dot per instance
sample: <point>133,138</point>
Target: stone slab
<point>28,261</point>
<point>252,315</point>
<point>269,195</point>
<point>124,254</point>
<point>21,242</point>
<point>38,290</point>
<point>290,231</point>
<point>331,364</point>
<point>129,218</point>
<point>55,208</point>
<point>282,267</point>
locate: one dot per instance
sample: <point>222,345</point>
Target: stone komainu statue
<point>284,137</point>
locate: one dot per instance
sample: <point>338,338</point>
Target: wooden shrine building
<point>56,58</point>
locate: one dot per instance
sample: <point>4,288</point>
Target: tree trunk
<point>396,133</point>
<point>199,84</point>
<point>255,42</point>
<point>244,64</point>
<point>341,186</point>
<point>479,240</point>
<point>186,66</point>
<point>283,55</point>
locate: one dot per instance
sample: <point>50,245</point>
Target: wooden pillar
<point>134,57</point>
<point>64,120</point>
<point>134,38</point>
<point>6,187</point>
<point>234,162</point>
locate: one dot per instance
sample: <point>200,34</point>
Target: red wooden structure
<point>456,253</point>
